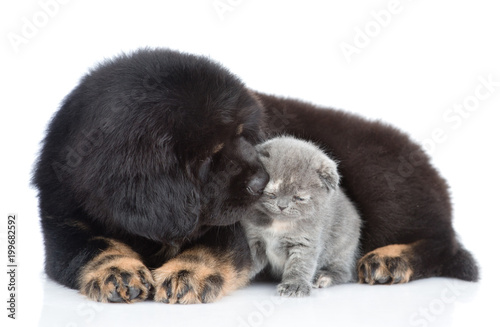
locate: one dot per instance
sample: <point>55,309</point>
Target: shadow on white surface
<point>430,302</point>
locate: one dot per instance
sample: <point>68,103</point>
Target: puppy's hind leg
<point>401,263</point>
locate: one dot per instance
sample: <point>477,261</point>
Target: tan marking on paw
<point>197,276</point>
<point>116,275</point>
<point>386,265</point>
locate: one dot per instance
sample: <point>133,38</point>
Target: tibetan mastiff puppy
<point>150,163</point>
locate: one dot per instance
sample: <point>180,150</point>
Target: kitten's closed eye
<point>297,198</point>
<point>270,195</point>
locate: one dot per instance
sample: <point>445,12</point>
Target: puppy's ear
<point>329,175</point>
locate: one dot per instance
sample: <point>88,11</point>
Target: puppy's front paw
<point>186,284</point>
<point>294,289</point>
<point>197,276</point>
<point>118,280</point>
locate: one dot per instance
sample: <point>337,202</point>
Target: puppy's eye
<point>270,195</point>
<point>298,199</point>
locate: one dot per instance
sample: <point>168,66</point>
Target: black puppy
<point>150,163</point>
<point>405,206</point>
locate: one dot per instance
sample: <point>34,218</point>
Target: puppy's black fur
<point>155,149</point>
<point>150,148</point>
<point>401,197</point>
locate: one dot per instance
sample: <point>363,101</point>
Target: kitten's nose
<point>282,208</point>
<point>257,183</point>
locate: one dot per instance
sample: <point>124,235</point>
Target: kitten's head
<point>302,178</point>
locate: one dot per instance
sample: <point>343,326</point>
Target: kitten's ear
<point>262,151</point>
<point>328,174</point>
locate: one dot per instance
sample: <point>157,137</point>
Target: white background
<point>414,66</point>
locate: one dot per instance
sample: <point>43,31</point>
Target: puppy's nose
<point>257,183</point>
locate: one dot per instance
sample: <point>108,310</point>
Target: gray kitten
<point>304,227</point>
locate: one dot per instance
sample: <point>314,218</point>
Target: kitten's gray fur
<point>313,239</point>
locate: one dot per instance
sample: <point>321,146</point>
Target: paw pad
<point>122,280</point>
<point>385,266</point>
<point>294,289</point>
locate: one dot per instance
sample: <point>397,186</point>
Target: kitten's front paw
<point>323,278</point>
<point>294,289</point>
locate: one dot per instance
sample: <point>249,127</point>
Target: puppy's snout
<point>257,183</point>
